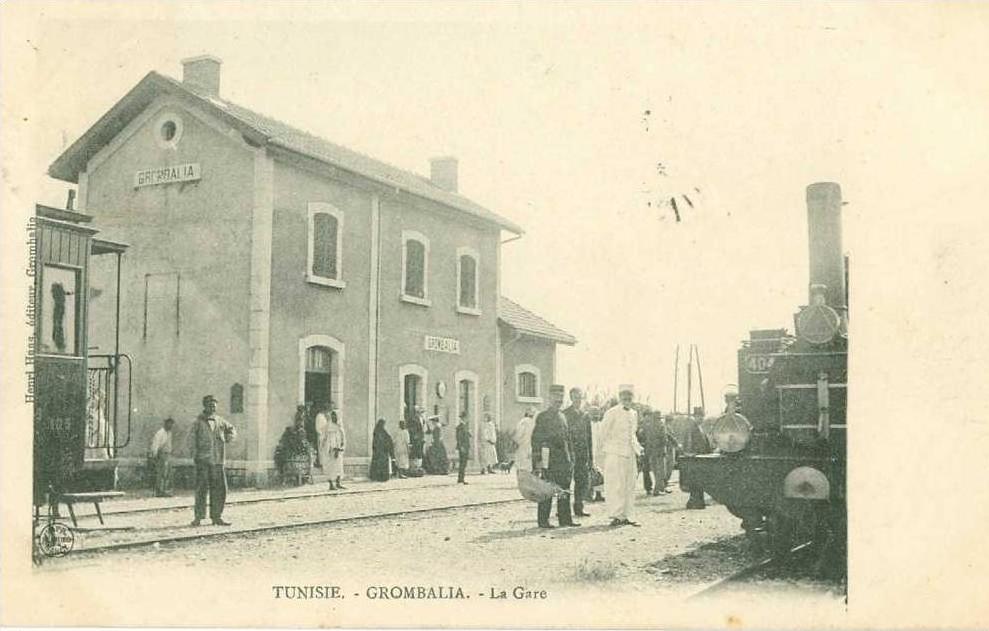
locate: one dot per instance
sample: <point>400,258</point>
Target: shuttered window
<point>468,281</point>
<point>324,263</point>
<point>415,268</point>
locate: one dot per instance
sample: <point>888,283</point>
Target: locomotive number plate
<point>759,364</point>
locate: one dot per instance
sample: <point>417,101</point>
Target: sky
<point>576,122</point>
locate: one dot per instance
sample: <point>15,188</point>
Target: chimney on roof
<point>443,173</point>
<point>202,73</point>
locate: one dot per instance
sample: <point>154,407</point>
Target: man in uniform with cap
<point>551,456</point>
<point>210,435</point>
<point>620,447</point>
<point>579,425</point>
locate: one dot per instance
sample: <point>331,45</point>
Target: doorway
<point>318,387</point>
<point>411,395</point>
<point>466,381</point>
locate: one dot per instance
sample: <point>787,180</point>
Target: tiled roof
<point>273,131</point>
<point>525,321</point>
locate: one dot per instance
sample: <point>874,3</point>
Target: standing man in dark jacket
<point>652,436</point>
<point>210,435</point>
<point>463,446</point>
<point>695,442</point>
<point>579,424</point>
<point>551,456</point>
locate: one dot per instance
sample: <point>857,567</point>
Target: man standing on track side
<point>551,456</point>
<point>210,435</point>
<point>620,448</point>
<point>579,425</point>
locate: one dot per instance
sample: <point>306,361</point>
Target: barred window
<point>528,385</point>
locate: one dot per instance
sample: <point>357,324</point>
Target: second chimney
<point>203,74</point>
<point>443,173</point>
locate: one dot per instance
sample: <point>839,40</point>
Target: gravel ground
<point>361,500</point>
<point>475,547</point>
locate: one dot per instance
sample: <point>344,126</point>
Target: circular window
<point>168,131</point>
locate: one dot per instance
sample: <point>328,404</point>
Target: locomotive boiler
<point>778,460</point>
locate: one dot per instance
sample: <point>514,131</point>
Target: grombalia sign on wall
<point>168,175</point>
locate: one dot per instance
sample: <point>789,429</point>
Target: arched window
<point>324,258</point>
<point>468,280</point>
<point>415,268</point>
<point>527,384</point>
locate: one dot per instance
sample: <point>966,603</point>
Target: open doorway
<point>467,402</point>
<point>411,394</point>
<point>318,388</point>
<point>321,364</point>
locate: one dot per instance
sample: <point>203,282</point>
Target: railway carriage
<point>81,402</point>
<point>779,460</point>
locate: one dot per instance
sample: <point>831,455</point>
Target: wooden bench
<point>92,497</point>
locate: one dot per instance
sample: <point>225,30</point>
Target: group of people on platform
<point>574,447</point>
<point>406,455</point>
<point>567,447</point>
<point>316,438</point>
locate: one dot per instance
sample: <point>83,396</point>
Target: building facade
<point>271,268</point>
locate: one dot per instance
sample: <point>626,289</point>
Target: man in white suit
<point>620,447</point>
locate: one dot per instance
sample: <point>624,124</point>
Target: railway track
<point>800,556</point>
<point>224,532</point>
<point>233,500</point>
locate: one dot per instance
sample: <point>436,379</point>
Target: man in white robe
<point>522,437</point>
<point>620,447</point>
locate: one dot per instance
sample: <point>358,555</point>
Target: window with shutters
<point>415,268</point>
<point>468,270</point>
<point>324,257</point>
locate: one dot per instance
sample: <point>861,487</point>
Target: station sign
<point>442,344</point>
<point>168,175</point>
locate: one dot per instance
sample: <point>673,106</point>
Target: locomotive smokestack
<point>827,262</point>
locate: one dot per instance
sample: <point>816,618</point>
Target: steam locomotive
<point>779,458</point>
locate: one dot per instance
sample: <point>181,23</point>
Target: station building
<point>270,267</point>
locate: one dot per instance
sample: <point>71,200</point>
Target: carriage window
<point>59,310</point>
